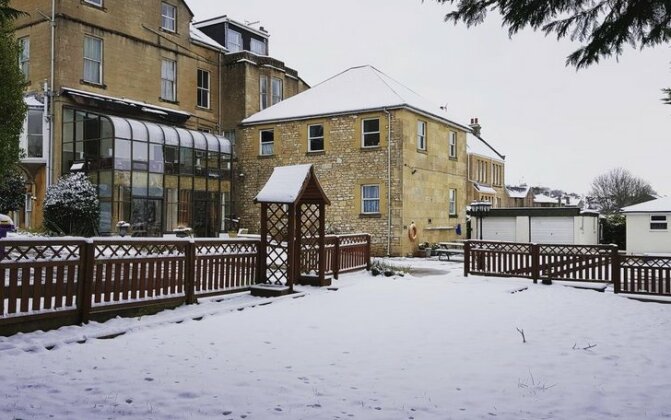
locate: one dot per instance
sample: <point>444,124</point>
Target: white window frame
<point>364,133</point>
<point>421,135</point>
<point>270,146</point>
<point>98,3</point>
<point>24,56</point>
<point>277,89</point>
<point>257,46</point>
<point>203,91</point>
<point>452,202</point>
<point>231,36</point>
<point>660,219</point>
<point>168,22</point>
<point>95,61</point>
<point>453,145</point>
<point>310,138</point>
<point>168,81</point>
<point>263,93</point>
<point>365,200</point>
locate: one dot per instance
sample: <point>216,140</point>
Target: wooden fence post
<point>535,262</point>
<point>615,269</point>
<point>467,257</point>
<point>336,258</point>
<point>190,272</point>
<point>368,252</point>
<point>85,279</point>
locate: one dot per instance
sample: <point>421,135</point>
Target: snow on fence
<point>53,282</point>
<point>636,274</point>
<point>343,253</point>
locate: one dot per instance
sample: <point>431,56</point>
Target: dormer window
<point>258,47</point>
<point>233,40</point>
<point>168,17</point>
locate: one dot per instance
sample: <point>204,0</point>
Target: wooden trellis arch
<point>292,226</point>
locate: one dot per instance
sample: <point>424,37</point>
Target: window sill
<point>453,158</point>
<point>94,84</point>
<point>168,101</point>
<point>168,31</point>
<point>315,153</point>
<point>453,216</point>
<point>204,109</point>
<point>370,215</point>
<point>422,151</point>
<point>370,148</point>
<point>95,6</point>
<point>265,156</point>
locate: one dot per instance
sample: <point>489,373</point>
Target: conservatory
<point>155,177</point>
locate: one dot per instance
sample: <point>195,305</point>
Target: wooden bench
<point>447,249</point>
<point>447,252</point>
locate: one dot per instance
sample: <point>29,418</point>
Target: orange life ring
<point>412,231</point>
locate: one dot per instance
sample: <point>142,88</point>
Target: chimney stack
<point>475,126</point>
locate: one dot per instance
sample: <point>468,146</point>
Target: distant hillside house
<point>519,196</point>
<point>385,156</point>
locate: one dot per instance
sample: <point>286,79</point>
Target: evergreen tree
<point>604,27</point>
<point>11,192</point>
<point>12,107</point>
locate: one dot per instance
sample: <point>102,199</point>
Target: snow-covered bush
<point>71,206</point>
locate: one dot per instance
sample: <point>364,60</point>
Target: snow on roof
<point>476,145</point>
<point>518,192</point>
<point>284,184</point>
<point>659,205</point>
<point>198,36</point>
<point>356,89</point>
<point>484,189</point>
<point>30,100</point>
<point>542,198</point>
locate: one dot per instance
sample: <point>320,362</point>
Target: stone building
<point>138,97</point>
<point>384,155</point>
<point>486,170</point>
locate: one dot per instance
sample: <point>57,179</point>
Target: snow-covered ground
<point>430,345</point>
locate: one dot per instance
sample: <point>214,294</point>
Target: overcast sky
<point>558,127</point>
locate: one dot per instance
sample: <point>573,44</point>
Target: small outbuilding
<point>560,225</point>
<point>648,227</point>
<point>292,231</point>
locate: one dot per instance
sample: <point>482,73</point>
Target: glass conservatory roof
<point>129,129</point>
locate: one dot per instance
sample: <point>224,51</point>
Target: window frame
<point>452,151</point>
<point>364,200</point>
<point>261,142</point>
<point>364,133</point>
<point>263,93</point>
<point>240,46</point>
<point>93,60</point>
<point>24,56</point>
<point>452,202</point>
<point>200,90</point>
<point>173,81</point>
<point>274,99</point>
<point>96,3</point>
<point>310,138</point>
<point>166,18</point>
<point>421,135</point>
<point>661,222</point>
<point>258,42</point>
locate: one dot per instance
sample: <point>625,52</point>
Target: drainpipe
<point>388,182</point>
<point>50,93</point>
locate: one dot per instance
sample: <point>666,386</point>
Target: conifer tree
<point>12,107</point>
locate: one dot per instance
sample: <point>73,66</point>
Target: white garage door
<point>498,229</point>
<point>552,230</point>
